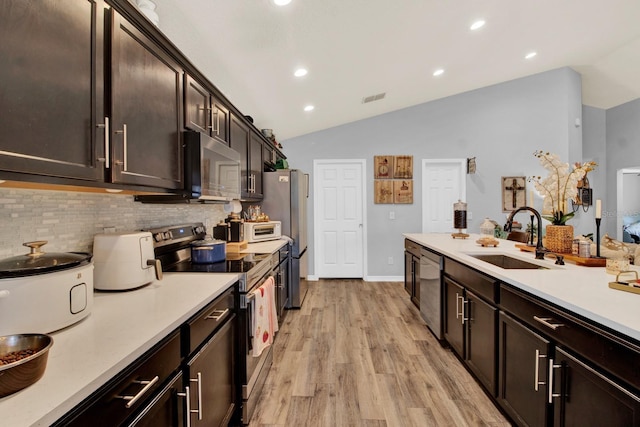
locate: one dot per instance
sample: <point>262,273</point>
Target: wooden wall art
<point>383,167</point>
<point>514,194</point>
<point>403,191</point>
<point>393,179</point>
<point>403,167</point>
<point>383,191</point>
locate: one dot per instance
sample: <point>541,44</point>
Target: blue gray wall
<point>500,125</point>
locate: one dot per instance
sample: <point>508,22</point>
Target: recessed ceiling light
<point>309,108</point>
<point>530,55</point>
<point>282,2</point>
<point>300,72</point>
<point>438,72</point>
<point>476,25</point>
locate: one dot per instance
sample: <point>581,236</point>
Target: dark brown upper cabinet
<point>146,110</point>
<point>204,112</point>
<point>51,88</point>
<point>249,145</point>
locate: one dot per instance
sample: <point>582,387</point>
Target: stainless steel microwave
<point>211,172</point>
<point>212,169</point>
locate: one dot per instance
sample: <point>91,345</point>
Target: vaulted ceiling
<point>358,48</point>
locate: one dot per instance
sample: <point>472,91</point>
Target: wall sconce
<point>471,165</point>
<point>584,198</point>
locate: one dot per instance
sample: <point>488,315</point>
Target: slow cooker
<point>44,292</point>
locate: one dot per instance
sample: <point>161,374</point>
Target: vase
<point>559,238</point>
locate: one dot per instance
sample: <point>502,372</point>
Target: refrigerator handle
<point>306,178</point>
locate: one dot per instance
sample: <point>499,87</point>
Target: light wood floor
<point>358,354</point>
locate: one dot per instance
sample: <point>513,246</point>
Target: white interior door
<point>338,218</point>
<point>443,184</point>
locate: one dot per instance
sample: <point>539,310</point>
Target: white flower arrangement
<point>559,186</point>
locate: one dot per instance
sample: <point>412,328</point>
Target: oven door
<point>256,368</point>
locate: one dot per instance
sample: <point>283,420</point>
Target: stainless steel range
<point>172,246</point>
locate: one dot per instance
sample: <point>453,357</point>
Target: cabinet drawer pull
<point>458,298</point>
<point>545,322</point>
<point>107,146</point>
<point>198,380</point>
<point>187,399</point>
<point>131,400</point>
<point>217,314</point>
<point>537,382</point>
<point>551,393</point>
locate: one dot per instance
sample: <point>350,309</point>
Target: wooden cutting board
<point>586,262</point>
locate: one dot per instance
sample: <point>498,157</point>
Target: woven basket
<point>559,238</point>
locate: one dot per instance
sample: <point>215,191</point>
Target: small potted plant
<point>560,185</point>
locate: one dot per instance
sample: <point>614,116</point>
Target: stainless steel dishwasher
<point>431,290</point>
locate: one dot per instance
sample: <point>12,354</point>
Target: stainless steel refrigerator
<point>285,199</point>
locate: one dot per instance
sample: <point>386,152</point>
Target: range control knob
<point>158,237</point>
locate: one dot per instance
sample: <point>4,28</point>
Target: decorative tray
<point>586,262</point>
<point>488,241</point>
<point>627,286</point>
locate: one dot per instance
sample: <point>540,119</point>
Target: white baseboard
<point>314,278</point>
<point>384,278</point>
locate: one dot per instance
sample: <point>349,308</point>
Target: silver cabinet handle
<point>537,382</point>
<point>107,148</point>
<point>551,393</point>
<point>219,314</point>
<point>131,400</point>
<point>458,298</point>
<point>198,380</point>
<point>123,162</point>
<point>187,399</point>
<point>545,322</point>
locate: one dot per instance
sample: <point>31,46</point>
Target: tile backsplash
<point>69,220</point>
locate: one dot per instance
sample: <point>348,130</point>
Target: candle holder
<point>598,237</point>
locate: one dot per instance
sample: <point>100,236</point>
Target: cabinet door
<point>220,120</point>
<point>257,164</point>
<point>146,110</point>
<point>588,398</point>
<point>197,106</point>
<point>481,340</point>
<point>523,373</point>
<point>454,315</point>
<point>51,88</point>
<point>239,141</point>
<point>212,381</point>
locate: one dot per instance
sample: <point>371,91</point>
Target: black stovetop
<point>236,263</point>
<point>172,246</point>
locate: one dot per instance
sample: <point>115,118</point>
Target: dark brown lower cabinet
<point>480,353</point>
<point>453,326</point>
<point>211,379</point>
<point>523,374</point>
<point>470,330</point>
<point>584,397</point>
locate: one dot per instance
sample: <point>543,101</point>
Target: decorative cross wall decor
<point>513,192</point>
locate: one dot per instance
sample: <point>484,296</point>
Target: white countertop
<point>582,290</point>
<point>268,247</point>
<point>120,328</point>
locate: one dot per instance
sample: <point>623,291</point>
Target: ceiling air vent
<point>372,98</point>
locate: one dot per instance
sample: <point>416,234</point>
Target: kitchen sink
<point>507,262</point>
